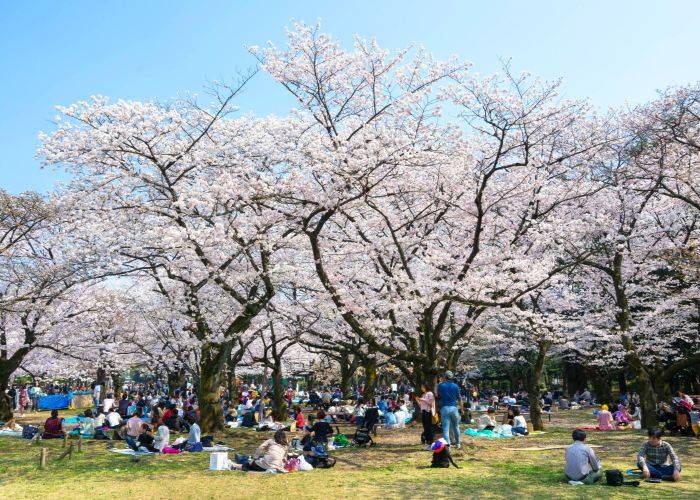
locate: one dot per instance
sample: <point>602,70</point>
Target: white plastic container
<point>218,460</point>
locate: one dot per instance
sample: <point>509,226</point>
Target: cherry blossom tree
<point>411,222</point>
<point>175,193</point>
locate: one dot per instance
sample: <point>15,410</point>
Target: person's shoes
<point>576,483</point>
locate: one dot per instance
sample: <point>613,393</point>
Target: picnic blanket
<point>129,451</point>
<point>10,433</point>
<point>605,430</point>
<point>485,434</point>
<point>496,435</point>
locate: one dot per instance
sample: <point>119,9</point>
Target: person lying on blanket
<point>269,456</point>
<point>605,419</point>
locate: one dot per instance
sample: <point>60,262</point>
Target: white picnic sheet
<point>129,451</point>
<point>218,447</point>
<point>10,433</point>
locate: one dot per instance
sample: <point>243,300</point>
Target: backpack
<point>324,462</point>
<point>362,438</point>
<point>442,459</point>
<point>614,477</point>
<point>29,431</point>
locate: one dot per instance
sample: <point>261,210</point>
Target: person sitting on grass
<point>654,455</point>
<point>581,463</point>
<point>605,419</point>
<point>100,419</point>
<point>269,456</point>
<point>320,430</point>
<point>487,422</point>
<point>622,416</point>
<point>162,439</point>
<point>298,418</point>
<point>114,420</point>
<point>390,418</point>
<point>519,424</point>
<point>146,439</point>
<point>87,424</point>
<point>134,426</point>
<point>53,427</point>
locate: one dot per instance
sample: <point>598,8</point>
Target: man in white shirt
<point>114,419</point>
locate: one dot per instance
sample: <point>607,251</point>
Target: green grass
<point>396,468</point>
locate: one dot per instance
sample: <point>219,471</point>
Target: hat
<point>438,445</point>
<point>449,374</point>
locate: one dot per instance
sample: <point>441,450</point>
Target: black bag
<point>443,459</point>
<point>614,477</point>
<point>362,438</point>
<point>320,462</point>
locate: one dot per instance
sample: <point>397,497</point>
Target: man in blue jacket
<point>450,400</point>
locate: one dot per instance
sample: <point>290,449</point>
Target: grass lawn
<point>395,468</point>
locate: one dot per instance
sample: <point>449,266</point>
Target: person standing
<point>23,400</point>
<point>450,407</point>
<point>426,402</point>
<point>96,396</point>
<point>34,393</point>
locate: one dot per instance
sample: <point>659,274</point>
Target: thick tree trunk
<point>279,405</point>
<point>347,371</point>
<point>534,390</point>
<point>622,382</point>
<point>574,377</point>
<point>647,397</point>
<point>213,360</point>
<point>116,382</point>
<point>601,386</point>
<point>370,368</point>
<point>5,401</point>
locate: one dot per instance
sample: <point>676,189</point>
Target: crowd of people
<point>147,415</point>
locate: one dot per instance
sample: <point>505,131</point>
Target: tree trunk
<point>370,367</point>
<point>212,362</point>
<point>279,405</point>
<point>176,380</point>
<point>647,398</point>
<point>5,401</point>
<point>534,389</point>
<point>116,382</point>
<point>622,382</point>
<point>346,373</point>
<point>601,386</point>
<point>574,377</point>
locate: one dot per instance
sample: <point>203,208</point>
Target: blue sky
<point>60,51</point>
